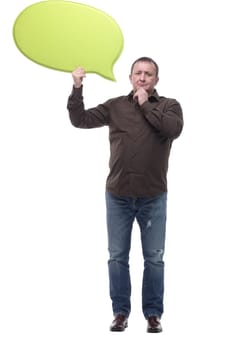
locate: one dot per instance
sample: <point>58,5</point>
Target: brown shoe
<point>119,323</point>
<point>154,325</point>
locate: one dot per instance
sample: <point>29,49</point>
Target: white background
<point>53,248</point>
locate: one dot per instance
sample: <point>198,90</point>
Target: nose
<point>142,76</point>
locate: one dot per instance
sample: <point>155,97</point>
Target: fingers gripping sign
<point>78,74</point>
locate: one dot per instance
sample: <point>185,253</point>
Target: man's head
<point>144,73</point>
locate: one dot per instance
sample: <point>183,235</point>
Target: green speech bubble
<point>63,35</point>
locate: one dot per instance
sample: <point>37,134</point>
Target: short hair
<point>146,59</point>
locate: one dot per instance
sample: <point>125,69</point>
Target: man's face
<point>144,75</point>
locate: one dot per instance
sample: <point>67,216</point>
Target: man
<point>142,127</point>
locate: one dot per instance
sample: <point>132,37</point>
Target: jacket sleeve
<point>168,121</point>
<point>85,118</point>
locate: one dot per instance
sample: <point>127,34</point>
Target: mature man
<point>142,126</point>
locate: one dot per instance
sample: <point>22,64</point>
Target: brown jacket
<point>140,139</point>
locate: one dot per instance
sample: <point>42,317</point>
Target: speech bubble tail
<point>107,75</point>
<point>112,78</point>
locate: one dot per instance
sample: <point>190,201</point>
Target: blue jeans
<point>150,214</point>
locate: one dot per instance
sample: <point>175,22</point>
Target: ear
<point>130,78</point>
<point>156,80</point>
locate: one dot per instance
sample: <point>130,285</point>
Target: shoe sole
<point>154,330</point>
<point>115,329</point>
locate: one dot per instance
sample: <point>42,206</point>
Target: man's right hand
<point>78,74</point>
